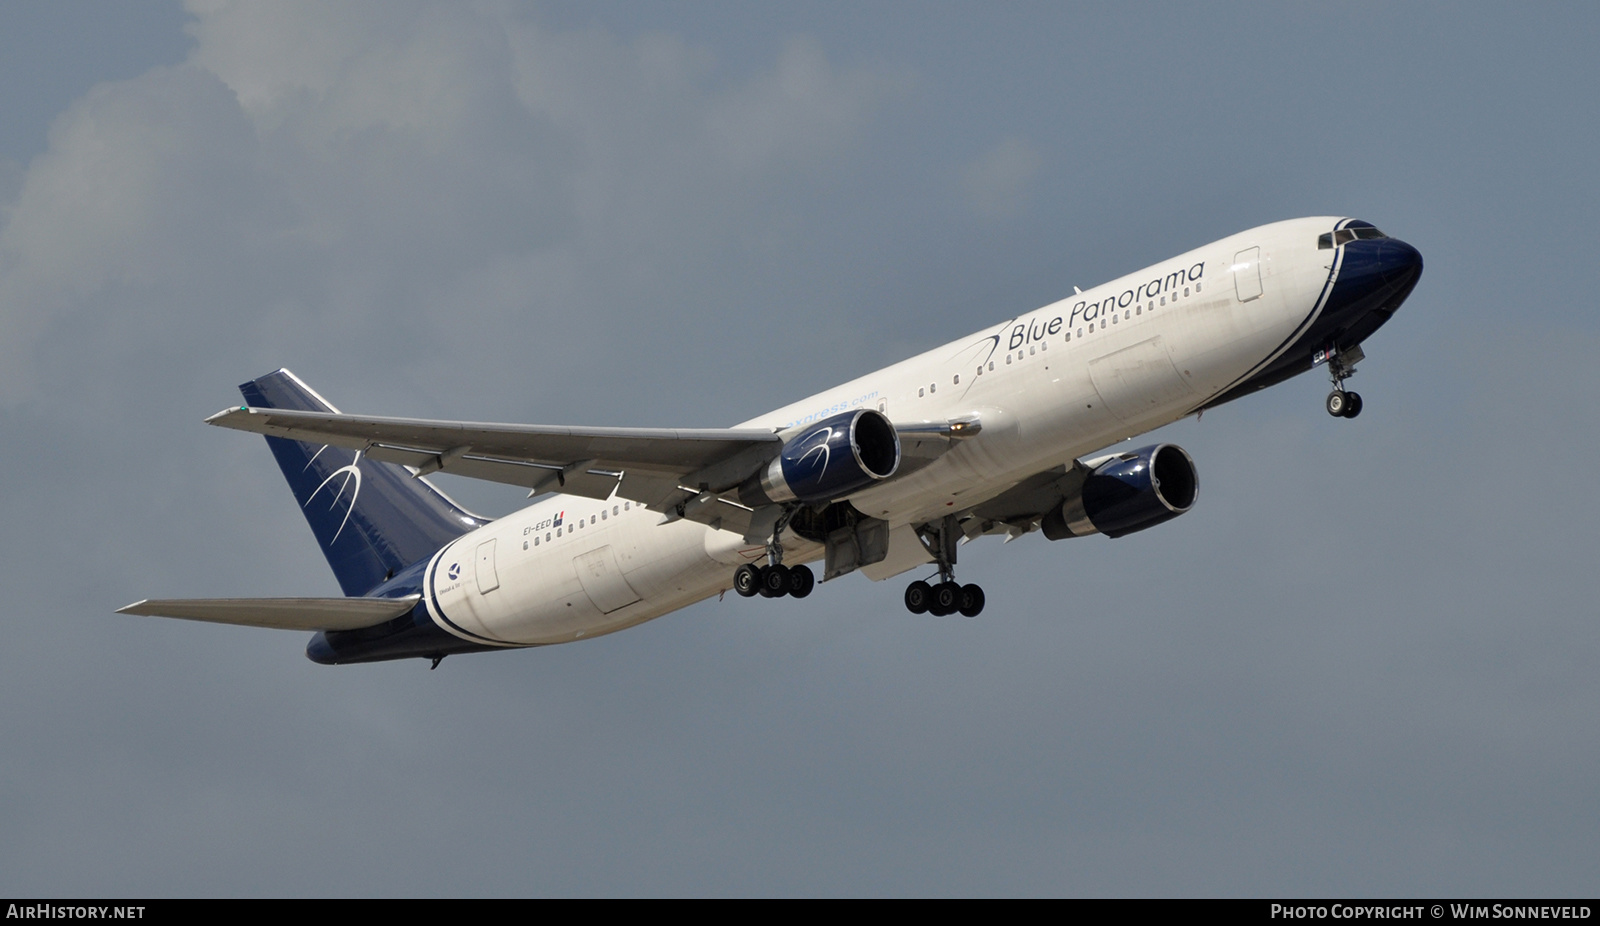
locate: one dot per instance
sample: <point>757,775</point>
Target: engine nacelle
<point>831,459</point>
<point>1126,493</point>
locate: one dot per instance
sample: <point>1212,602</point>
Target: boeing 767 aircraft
<point>986,435</point>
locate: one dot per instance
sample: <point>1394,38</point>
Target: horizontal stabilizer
<point>280,613</point>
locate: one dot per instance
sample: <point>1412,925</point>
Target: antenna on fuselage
<point>1076,291</point>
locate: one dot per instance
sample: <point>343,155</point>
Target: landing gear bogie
<point>774,581</point>
<point>947,596</point>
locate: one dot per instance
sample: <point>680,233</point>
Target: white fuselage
<point>1049,386</point>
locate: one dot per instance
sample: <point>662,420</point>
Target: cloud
<point>350,181</point>
<point>997,183</point>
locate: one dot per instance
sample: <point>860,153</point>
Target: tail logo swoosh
<point>352,474</point>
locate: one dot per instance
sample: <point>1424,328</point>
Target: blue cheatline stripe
<point>1304,326</point>
<point>436,611</point>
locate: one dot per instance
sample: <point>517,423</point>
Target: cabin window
<point>602,514</point>
<point>613,510</point>
<point>546,536</point>
<point>1197,287</point>
<point>1069,335</point>
<point>558,532</point>
<point>626,505</point>
<point>1114,319</point>
<point>1080,332</point>
<point>991,366</point>
<point>980,369</point>
<point>1043,345</point>
<point>1186,290</point>
<point>1152,305</point>
<point>1030,352</point>
<point>956,381</point>
<point>525,543</point>
<point>1008,358</point>
<point>932,388</point>
<point>591,519</point>
<point>921,393</point>
<point>1091,327</point>
<point>1139,310</point>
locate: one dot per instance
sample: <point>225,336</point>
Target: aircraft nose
<point>1375,274</point>
<point>1400,263</point>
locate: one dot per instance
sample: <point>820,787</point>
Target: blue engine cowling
<point>829,460</point>
<point>1127,493</point>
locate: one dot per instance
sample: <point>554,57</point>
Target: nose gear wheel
<point>1341,366</point>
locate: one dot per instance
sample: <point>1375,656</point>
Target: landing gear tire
<point>971,601</point>
<point>747,580</point>
<point>1352,404</point>
<point>801,581</point>
<point>774,581</point>
<point>946,599</point>
<point>919,595</point>
<point>1339,404</point>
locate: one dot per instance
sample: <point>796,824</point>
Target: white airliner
<point>986,435</point>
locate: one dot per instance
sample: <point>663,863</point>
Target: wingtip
<point>130,608</point>
<point>219,417</point>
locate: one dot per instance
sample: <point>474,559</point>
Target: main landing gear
<point>1342,404</point>
<point>947,597</point>
<point>774,580</point>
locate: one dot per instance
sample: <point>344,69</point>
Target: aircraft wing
<point>688,473</point>
<point>658,467</point>
<point>280,613</point>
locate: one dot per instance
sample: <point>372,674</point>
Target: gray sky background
<point>1364,665</point>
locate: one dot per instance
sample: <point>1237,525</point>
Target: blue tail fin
<point>372,519</point>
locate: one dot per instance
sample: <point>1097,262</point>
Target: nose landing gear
<point>1341,365</point>
<point>947,597</point>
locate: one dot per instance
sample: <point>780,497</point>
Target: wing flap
<point>279,613</point>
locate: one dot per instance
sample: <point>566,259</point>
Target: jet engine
<point>829,460</point>
<point>1126,493</point>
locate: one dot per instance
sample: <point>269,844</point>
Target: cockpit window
<point>1328,240</point>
